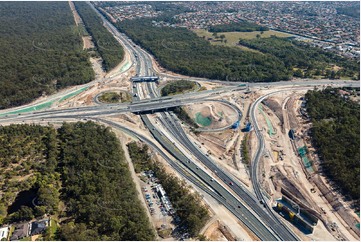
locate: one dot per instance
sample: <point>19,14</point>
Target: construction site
<point>292,178</point>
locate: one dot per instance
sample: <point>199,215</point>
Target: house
<point>343,93</point>
<point>39,227</point>
<point>4,232</point>
<point>21,231</point>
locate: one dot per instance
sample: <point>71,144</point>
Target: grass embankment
<point>115,97</point>
<point>178,87</point>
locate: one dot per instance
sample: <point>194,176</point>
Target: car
<point>231,183</point>
<point>212,179</point>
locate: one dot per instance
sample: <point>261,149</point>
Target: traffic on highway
<point>250,207</point>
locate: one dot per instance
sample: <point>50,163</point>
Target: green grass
<point>44,105</point>
<point>30,109</point>
<point>53,227</point>
<point>233,37</point>
<point>204,121</point>
<point>73,94</point>
<point>125,67</point>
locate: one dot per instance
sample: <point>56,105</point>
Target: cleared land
<point>233,37</point>
<point>212,115</point>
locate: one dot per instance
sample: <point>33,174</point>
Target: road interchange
<point>246,207</point>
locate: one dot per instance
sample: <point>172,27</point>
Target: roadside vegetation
<point>243,26</point>
<point>80,166</point>
<point>336,135</point>
<point>178,87</point>
<point>246,159</point>
<point>183,115</point>
<point>115,97</point>
<point>106,45</point>
<point>188,205</point>
<point>306,61</point>
<point>42,51</point>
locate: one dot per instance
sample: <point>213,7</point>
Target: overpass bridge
<point>144,79</point>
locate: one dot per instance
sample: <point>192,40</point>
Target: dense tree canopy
<point>80,164</point>
<point>300,55</point>
<point>336,134</point>
<point>178,86</point>
<point>41,51</point>
<point>98,189</point>
<point>30,152</point>
<point>182,51</point>
<point>107,46</point>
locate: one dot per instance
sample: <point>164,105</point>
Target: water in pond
<point>24,198</point>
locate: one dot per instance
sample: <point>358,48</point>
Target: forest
<point>98,188</point>
<point>182,51</point>
<point>188,206</point>
<point>42,51</point>
<point>295,54</point>
<point>28,152</point>
<point>336,135</point>
<point>243,26</point>
<point>79,165</point>
<point>106,45</point>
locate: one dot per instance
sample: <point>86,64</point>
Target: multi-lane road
<point>258,221</point>
<point>218,183</point>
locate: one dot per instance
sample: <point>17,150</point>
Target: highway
<point>270,228</point>
<point>244,205</point>
<point>242,212</point>
<point>255,162</point>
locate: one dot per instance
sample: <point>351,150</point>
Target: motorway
<point>244,213</point>
<point>259,220</point>
<point>244,205</point>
